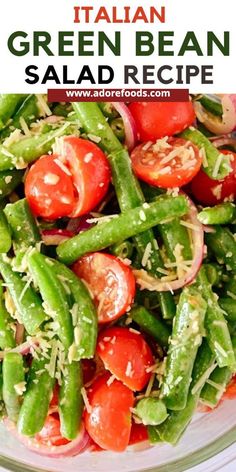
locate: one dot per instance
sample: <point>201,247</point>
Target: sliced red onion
<point>53,237</point>
<point>215,124</point>
<point>23,349</point>
<point>129,124</point>
<point>20,331</point>
<point>151,283</point>
<point>208,229</point>
<point>226,140</point>
<point>77,446</point>
<point>76,225</point>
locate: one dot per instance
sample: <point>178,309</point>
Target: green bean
<point>172,429</point>
<point>25,232</point>
<point>185,339</point>
<point>9,180</point>
<point>211,105</point>
<point>27,302</point>
<point>214,273</point>
<point>127,224</point>
<point>117,126</point>
<point>13,383</point>
<point>8,105</point>
<point>221,214</point>
<point>217,331</point>
<point>150,192</point>
<point>213,156</point>
<point>62,110</point>
<point>53,294</point>
<point>151,411</point>
<point>6,334</point>
<point>229,307</point>
<point>38,395</point>
<point>174,234</point>
<point>108,110</point>
<point>229,287</point>
<point>5,234</point>
<point>123,250</point>
<point>223,246</point>
<point>84,315</point>
<point>150,324</point>
<point>28,149</point>
<point>29,111</point>
<point>70,401</point>
<point>216,384</point>
<point>127,188</point>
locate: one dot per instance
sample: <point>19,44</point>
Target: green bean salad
<point>118,269</point>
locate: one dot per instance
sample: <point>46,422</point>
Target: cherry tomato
<point>211,192</point>
<point>90,171</point>
<point>169,163</point>
<point>126,355</point>
<point>49,190</point>
<point>139,433</point>
<point>230,392</point>
<point>111,282</point>
<point>50,433</point>
<point>69,184</point>
<point>155,120</point>
<point>109,421</point>
<point>55,396</point>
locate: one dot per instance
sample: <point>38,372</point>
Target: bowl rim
<point>184,463</point>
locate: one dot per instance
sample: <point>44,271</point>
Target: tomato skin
<point>126,355</point>
<point>90,171</point>
<point>138,433</point>
<point>50,433</point>
<point>109,422</point>
<point>230,392</point>
<point>106,274</point>
<point>203,187</point>
<point>48,200</point>
<point>155,120</point>
<point>149,164</point>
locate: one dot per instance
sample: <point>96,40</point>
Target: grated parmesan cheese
<point>20,388</point>
<point>43,106</point>
<point>94,138</point>
<point>86,401</point>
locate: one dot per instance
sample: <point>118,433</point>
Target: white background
<point>54,15</point>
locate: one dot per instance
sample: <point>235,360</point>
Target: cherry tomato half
<point>211,192</point>
<point>90,172</point>
<point>109,421</point>
<point>50,434</point>
<point>111,282</point>
<point>126,355</point>
<point>49,190</point>
<point>155,120</point>
<point>168,163</point>
<point>69,184</point>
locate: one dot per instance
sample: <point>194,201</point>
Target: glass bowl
<point>207,435</point>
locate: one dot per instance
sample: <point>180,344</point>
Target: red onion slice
<point>53,237</point>
<point>225,140</point>
<point>77,446</point>
<point>215,124</point>
<point>129,124</point>
<point>20,331</point>
<point>23,349</point>
<point>151,283</point>
<point>76,225</point>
